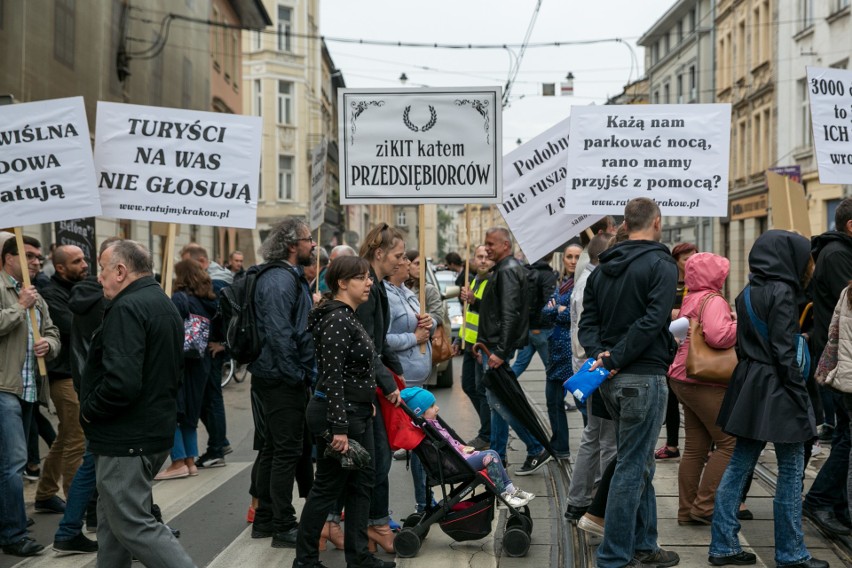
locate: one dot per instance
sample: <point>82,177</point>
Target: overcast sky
<point>601,70</point>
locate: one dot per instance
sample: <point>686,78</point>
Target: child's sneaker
<point>524,495</point>
<point>513,500</point>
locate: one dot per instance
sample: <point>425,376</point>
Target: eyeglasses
<point>307,239</point>
<point>362,277</point>
<point>31,256</point>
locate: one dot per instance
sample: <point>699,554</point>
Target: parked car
<point>447,281</point>
<point>442,373</point>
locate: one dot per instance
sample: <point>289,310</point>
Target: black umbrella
<point>504,384</point>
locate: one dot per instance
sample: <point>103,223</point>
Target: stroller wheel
<point>415,519</point>
<point>407,543</point>
<point>520,521</point>
<point>516,542</point>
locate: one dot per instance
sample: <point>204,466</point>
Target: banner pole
<point>168,264</point>
<point>466,271</point>
<point>25,280</point>
<point>424,266</point>
<point>319,239</point>
<point>789,200</point>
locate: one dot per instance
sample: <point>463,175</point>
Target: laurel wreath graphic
<point>358,109</point>
<point>413,127</point>
<point>480,106</point>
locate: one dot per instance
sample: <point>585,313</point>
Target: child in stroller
<point>422,403</point>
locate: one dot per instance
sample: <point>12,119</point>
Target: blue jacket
<point>560,367</point>
<point>282,302</point>
<point>400,339</point>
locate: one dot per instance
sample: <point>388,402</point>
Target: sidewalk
<point>692,542</point>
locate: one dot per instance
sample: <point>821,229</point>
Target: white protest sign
<point>46,169</point>
<point>416,146</point>
<point>178,166</point>
<point>677,155</point>
<point>318,160</point>
<point>534,176</point>
<point>830,91</point>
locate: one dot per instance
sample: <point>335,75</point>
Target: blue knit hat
<point>417,399</point>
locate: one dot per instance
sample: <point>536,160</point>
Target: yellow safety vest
<point>471,318</point>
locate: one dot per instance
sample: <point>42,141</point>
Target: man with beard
<point>281,376</point>
<point>66,453</point>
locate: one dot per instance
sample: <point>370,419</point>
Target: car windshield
<point>445,278</point>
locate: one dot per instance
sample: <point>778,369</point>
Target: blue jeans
<point>79,494</point>
<point>537,343</point>
<point>13,459</point>
<point>186,443</point>
<point>555,395</point>
<point>501,420</point>
<point>475,391</point>
<point>828,492</point>
<point>422,493</point>
<point>787,504</point>
<point>213,408</point>
<point>637,404</point>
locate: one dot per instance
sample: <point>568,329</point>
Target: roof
<point>251,13</point>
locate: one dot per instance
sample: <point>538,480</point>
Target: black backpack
<point>539,288</point>
<point>236,306</point>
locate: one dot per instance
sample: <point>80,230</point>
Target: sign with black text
<point>830,91</point>
<point>178,166</point>
<point>677,155</point>
<point>46,169</point>
<point>534,207</point>
<point>415,146</point>
<point>80,233</point>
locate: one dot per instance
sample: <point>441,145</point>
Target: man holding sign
<point>19,386</point>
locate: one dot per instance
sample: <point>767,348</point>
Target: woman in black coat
<point>767,401</point>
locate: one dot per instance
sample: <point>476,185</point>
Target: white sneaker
<point>513,500</point>
<point>524,495</point>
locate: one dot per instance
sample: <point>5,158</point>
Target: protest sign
<point>534,177</point>
<point>788,204</point>
<point>178,166</point>
<point>318,160</point>
<point>420,145</point>
<point>830,91</point>
<point>676,155</point>
<point>80,233</point>
<point>46,170</point>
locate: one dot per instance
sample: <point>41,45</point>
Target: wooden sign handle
<point>25,280</point>
<point>168,261</point>
<point>466,272</point>
<point>421,220</point>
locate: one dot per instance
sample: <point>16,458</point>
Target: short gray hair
<point>343,250</point>
<point>283,235</point>
<point>135,256</point>
<point>503,232</point>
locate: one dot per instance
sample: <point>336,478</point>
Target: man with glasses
<point>281,378</point>
<point>19,385</point>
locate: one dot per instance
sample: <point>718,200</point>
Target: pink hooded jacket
<point>705,273</point>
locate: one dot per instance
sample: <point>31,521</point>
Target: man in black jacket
<point>625,327</point>
<point>503,327</point>
<point>66,453</point>
<point>542,284</point>
<point>827,501</point>
<point>281,377</point>
<point>128,407</point>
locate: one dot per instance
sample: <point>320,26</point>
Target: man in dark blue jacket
<point>626,315</point>
<point>281,376</point>
<point>128,407</point>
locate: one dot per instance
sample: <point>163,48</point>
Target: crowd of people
<point>132,373</point>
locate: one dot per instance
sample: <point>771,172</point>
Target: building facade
<point>679,54</point>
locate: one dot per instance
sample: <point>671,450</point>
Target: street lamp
<point>403,79</point>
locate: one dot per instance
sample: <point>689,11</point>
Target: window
<point>401,220</point>
<point>656,97</point>
<point>839,5</point>
<point>285,178</point>
<point>806,14</point>
<point>844,64</point>
<point>758,31</point>
<point>805,133</point>
<point>680,31</point>
<point>257,36</point>
<point>742,147</point>
<point>114,40</point>
<point>156,82</point>
<point>216,31</point>
<point>693,84</point>
<point>655,53</point>
<point>757,142</point>
<point>692,21</point>
<point>285,102</point>
<point>284,15</point>
<point>666,44</point>
<point>186,92</point>
<point>257,97</point>
<point>63,32</point>
<point>235,50</point>
<point>666,94</point>
<point>226,52</point>
<point>679,83</point>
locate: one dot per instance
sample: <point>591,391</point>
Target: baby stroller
<point>463,514</point>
